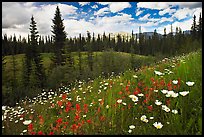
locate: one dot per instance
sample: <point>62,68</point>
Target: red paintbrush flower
<point>51,133</point>
<point>85,108</point>
<point>59,103</point>
<point>64,96</point>
<point>102,118</point>
<point>127,88</point>
<point>74,127</point>
<point>59,120</point>
<point>76,118</point>
<point>120,92</point>
<point>150,108</point>
<point>40,133</point>
<point>30,127</point>
<point>77,107</point>
<point>88,121</point>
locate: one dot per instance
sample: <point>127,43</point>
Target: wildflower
<point>164,91</point>
<point>145,120</point>
<point>27,122</point>
<point>175,95</point>
<point>155,90</point>
<point>4,108</point>
<point>124,103</point>
<point>129,131</point>
<point>24,131</point>
<point>84,115</point>
<point>158,102</point>
<point>51,133</point>
<point>190,83</point>
<point>143,117</point>
<point>158,73</point>
<point>175,81</point>
<point>107,106</point>
<point>184,93</point>
<point>150,108</point>
<point>40,133</point>
<point>134,99</point>
<point>88,121</point>
<point>174,111</point>
<point>134,76</point>
<point>158,125</point>
<point>119,101</point>
<point>59,120</point>
<point>165,108</point>
<point>140,95</point>
<point>132,127</point>
<point>151,117</point>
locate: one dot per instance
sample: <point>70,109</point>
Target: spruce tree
<point>59,37</point>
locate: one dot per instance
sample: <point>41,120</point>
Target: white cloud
<point>138,12</point>
<point>118,6</point>
<point>104,3</point>
<point>182,13</point>
<point>145,17</point>
<point>18,14</point>
<point>167,10</point>
<point>189,5</point>
<point>83,3</point>
<point>102,11</point>
<point>164,19</point>
<point>164,5</point>
<point>95,6</point>
<point>153,5</point>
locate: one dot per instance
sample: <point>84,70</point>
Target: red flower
<point>145,101</point>
<point>127,88</point>
<point>30,127</point>
<point>40,133</point>
<point>77,107</point>
<point>66,123</point>
<point>32,133</point>
<point>147,95</point>
<point>146,88</point>
<point>102,118</point>
<point>136,92</point>
<point>120,92</point>
<point>76,118</point>
<point>150,108</point>
<point>59,121</point>
<point>85,108</point>
<point>64,96</point>
<point>51,133</point>
<point>74,127</point>
<point>88,121</point>
<point>59,103</point>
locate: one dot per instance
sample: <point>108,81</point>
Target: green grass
<point>116,119</point>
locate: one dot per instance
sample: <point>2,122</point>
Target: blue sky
<point>97,17</point>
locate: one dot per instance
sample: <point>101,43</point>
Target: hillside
<point>162,99</point>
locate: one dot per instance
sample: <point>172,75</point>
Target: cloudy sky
<point>97,17</point>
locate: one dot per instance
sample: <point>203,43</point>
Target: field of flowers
<point>162,99</point>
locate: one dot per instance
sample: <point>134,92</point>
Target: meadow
<point>163,98</point>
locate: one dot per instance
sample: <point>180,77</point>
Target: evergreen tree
<point>200,27</point>
<point>90,51</point>
<point>59,38</point>
<point>193,28</point>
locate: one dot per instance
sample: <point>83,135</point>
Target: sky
<point>99,17</point>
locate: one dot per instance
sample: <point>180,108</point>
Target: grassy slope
<point>118,117</point>
<point>46,60</point>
